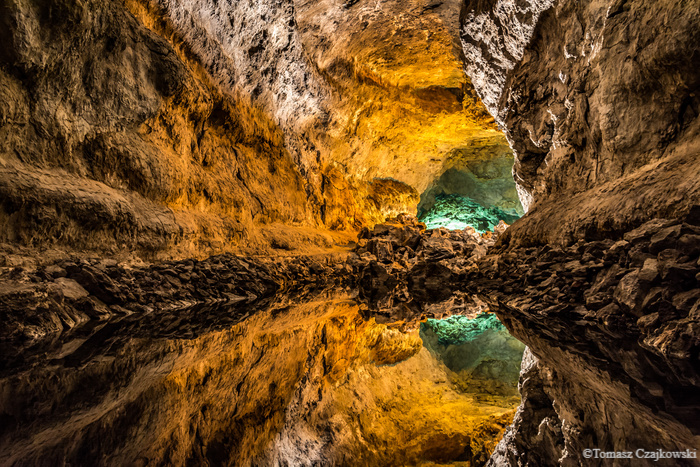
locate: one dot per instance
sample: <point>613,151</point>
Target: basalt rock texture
<point>612,328</point>
<point>535,437</point>
<point>615,327</point>
<point>405,272</point>
<point>38,306</point>
<point>112,138</point>
<point>494,38</point>
<point>398,69</point>
<point>157,129</point>
<point>179,357</point>
<point>599,102</point>
<point>176,129</point>
<point>400,270</point>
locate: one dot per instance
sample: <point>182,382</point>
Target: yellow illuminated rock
<point>405,103</point>
<point>293,383</point>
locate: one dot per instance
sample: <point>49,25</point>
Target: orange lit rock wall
<point>405,103</point>
<point>185,128</point>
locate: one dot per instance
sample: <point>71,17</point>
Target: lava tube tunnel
<point>370,233</point>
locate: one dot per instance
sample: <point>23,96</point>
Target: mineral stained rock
<point>456,212</point>
<point>170,129</point>
<point>181,129</point>
<point>599,102</point>
<point>112,139</point>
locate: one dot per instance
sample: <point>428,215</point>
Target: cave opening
<point>472,192</point>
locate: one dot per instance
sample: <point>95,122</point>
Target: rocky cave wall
<point>599,102</point>
<point>113,136</point>
<point>188,128</point>
<point>141,124</point>
<point>600,108</point>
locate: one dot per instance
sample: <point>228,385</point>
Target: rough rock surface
<point>615,326</point>
<point>111,138</point>
<point>494,37</point>
<point>535,437</point>
<point>489,182</point>
<point>601,104</point>
<point>397,66</point>
<point>404,272</point>
<point>39,305</point>
<point>599,101</point>
<point>187,128</point>
<point>612,326</point>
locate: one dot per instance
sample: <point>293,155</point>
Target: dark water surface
<point>308,380</point>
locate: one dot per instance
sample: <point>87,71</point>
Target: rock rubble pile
<point>404,270</point>
<point>36,305</point>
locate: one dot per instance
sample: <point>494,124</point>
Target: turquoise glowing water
<point>456,212</point>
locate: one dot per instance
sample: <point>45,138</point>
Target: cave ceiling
<point>229,117</point>
<point>404,102</point>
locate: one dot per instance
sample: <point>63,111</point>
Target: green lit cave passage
<point>482,357</point>
<point>459,329</point>
<point>476,193</point>
<point>456,212</point>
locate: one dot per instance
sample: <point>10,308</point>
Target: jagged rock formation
<point>456,212</point>
<point>163,128</point>
<point>397,66</point>
<point>405,271</point>
<point>614,324</point>
<point>393,266</point>
<point>39,306</point>
<point>494,37</point>
<point>535,437</point>
<point>112,138</point>
<point>599,102</point>
<point>633,300</point>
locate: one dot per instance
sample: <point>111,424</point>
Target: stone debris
<point>36,305</point>
<point>627,308</point>
<point>400,264</point>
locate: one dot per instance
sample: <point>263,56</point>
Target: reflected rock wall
<point>290,383</point>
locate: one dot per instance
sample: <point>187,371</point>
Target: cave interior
<point>350,233</point>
